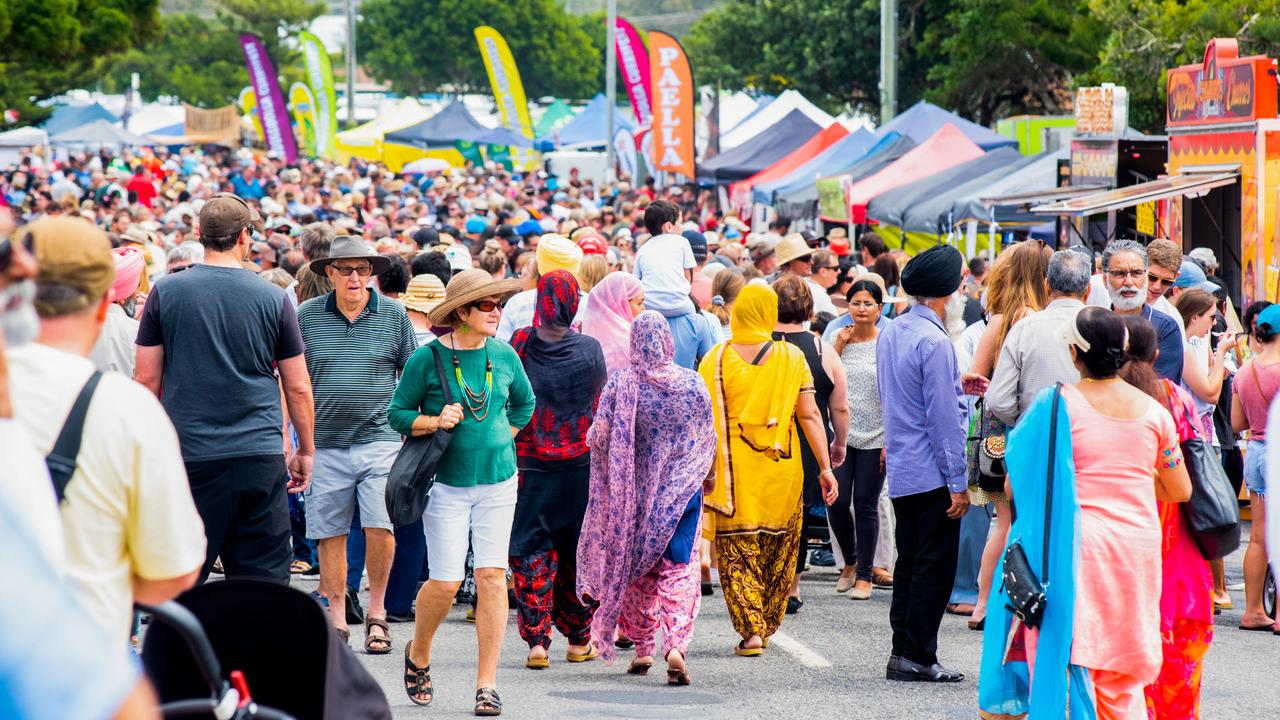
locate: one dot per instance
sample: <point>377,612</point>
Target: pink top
<point>1255,385</point>
<point>1118,588</point>
<point>1187,592</point>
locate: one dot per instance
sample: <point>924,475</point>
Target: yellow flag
<point>508,91</point>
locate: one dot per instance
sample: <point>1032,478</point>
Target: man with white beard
<point>1124,265</point>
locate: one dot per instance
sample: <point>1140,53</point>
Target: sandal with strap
<point>488,704</point>
<point>677,676</point>
<point>345,634</point>
<point>417,680</point>
<point>591,654</point>
<point>384,640</point>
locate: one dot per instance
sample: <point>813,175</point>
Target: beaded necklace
<point>475,401</point>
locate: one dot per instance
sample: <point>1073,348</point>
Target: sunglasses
<point>346,270</point>
<point>486,305</point>
<point>827,267</point>
<point>6,249</point>
<point>1153,280</point>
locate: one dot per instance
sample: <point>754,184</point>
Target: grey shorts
<point>342,477</point>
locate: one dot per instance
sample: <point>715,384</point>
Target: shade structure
<point>452,125</point>
<point>888,208</point>
<point>764,120</point>
<point>922,120</point>
<point>1037,172</point>
<point>588,129</point>
<point>845,151</point>
<point>67,117</point>
<point>553,118</point>
<point>801,199</point>
<point>151,118</point>
<point>740,192</point>
<point>759,152</point>
<point>733,116</point>
<point>846,157</point>
<point>946,148</point>
<point>99,133</point>
<point>365,141</point>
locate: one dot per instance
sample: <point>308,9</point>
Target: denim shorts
<point>1255,466</point>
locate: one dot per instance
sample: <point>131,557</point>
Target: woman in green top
<point>474,495</point>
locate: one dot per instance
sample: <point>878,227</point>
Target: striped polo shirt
<point>354,367</point>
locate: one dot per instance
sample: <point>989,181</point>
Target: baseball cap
<point>475,225</point>
<point>226,214</point>
<point>838,244</point>
<point>1191,276</point>
<point>459,257</point>
<point>698,243</point>
<point>592,244</point>
<point>72,253</point>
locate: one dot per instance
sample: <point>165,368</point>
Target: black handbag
<point>414,470</point>
<point>1026,589</point>
<point>984,452</point>
<point>1212,513</point>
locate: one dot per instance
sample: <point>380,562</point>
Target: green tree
<point>1148,37</point>
<point>52,46</point>
<point>997,58</point>
<point>422,46</point>
<point>198,59</point>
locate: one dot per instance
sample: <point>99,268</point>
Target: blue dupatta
<point>1005,688</point>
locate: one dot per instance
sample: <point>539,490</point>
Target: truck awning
<point>1193,183</point>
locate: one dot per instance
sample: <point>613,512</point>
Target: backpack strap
<point>61,460</point>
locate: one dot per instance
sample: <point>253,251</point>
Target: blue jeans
<point>974,527</point>
<point>355,551</point>
<point>407,568</point>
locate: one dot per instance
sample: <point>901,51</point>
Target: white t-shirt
<point>821,300</point>
<point>128,508</point>
<point>25,487</point>
<point>660,267</point>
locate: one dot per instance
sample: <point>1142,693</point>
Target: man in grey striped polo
<point>357,344</point>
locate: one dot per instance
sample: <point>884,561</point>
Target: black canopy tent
<point>761,151</point>
<point>889,208</point>
<point>452,125</point>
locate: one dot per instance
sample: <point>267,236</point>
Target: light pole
<point>888,60</point>
<point>610,83</point>
<point>351,63</point>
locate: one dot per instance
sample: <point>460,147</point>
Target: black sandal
<point>488,704</point>
<point>417,681</point>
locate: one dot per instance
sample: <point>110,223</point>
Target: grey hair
<point>1116,246</point>
<point>188,252</point>
<point>316,239</point>
<point>1069,273</point>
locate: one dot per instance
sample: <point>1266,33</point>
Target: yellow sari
<point>759,475</point>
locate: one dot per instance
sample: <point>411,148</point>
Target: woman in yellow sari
<point>759,390</point>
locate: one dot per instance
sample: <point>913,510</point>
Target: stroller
<point>273,643</point>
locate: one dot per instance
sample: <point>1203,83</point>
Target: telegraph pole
<point>888,60</point>
<point>610,81</point>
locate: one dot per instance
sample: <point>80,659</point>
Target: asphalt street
<point>828,661</point>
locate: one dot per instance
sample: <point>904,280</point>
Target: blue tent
<point>889,207</point>
<point>837,163</point>
<point>450,126</point>
<point>69,117</point>
<point>800,198</point>
<point>844,151</point>
<point>589,128</point>
<point>924,119</point>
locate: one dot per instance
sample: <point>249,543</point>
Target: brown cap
<point>72,253</point>
<point>225,215</point>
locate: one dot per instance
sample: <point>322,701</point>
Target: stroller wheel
<point>1269,594</point>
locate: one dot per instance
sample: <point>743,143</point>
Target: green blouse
<point>481,452</point>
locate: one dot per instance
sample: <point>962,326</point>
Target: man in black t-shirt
<point>210,343</point>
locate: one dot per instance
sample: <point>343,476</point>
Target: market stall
<point>761,151</point>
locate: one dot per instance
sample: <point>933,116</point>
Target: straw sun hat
<point>425,292</point>
<point>469,286</point>
<point>792,247</point>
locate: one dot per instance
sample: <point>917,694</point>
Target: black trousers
<point>861,480</point>
<point>244,505</point>
<point>927,544</point>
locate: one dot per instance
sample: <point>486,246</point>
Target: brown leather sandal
<point>383,641</point>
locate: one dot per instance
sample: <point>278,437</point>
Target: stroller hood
<point>281,639</point>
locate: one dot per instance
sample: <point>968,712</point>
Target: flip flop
<point>743,651</point>
<point>1257,628</point>
<point>537,663</point>
<point>591,654</point>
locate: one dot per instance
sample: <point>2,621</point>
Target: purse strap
<point>444,382</point>
<point>1048,492</point>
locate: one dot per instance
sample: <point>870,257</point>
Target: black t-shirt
<point>223,330</point>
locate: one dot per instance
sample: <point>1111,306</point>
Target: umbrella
<point>426,165</point>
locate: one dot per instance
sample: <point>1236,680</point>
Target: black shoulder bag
<point>1025,589</point>
<point>414,470</point>
<point>61,460</point>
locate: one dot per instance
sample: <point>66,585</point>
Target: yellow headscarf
<point>755,312</point>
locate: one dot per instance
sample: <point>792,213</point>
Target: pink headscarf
<point>607,317</point>
<point>129,263</point>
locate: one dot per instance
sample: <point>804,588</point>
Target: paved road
<point>828,662</point>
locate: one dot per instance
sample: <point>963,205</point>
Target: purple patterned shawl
<point>652,443</point>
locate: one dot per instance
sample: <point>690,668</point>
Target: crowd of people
<point>219,357</point>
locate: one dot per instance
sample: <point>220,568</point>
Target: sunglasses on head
<point>486,305</point>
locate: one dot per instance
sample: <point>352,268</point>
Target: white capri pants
<point>482,514</point>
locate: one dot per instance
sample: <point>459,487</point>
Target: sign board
<point>1094,163</point>
<point>1225,88</point>
<point>1102,111</point>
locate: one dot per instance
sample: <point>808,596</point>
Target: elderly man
<point>184,256</point>
<point>130,528</point>
<point>210,344</point>
<point>919,384</point>
<point>1032,358</point>
<point>1125,269</point>
<point>357,344</point>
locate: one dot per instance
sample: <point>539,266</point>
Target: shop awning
<point>1037,197</point>
<point>1120,198</point>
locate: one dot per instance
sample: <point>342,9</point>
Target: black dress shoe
<point>355,613</point>
<point>405,618</point>
<point>793,605</point>
<point>904,670</point>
